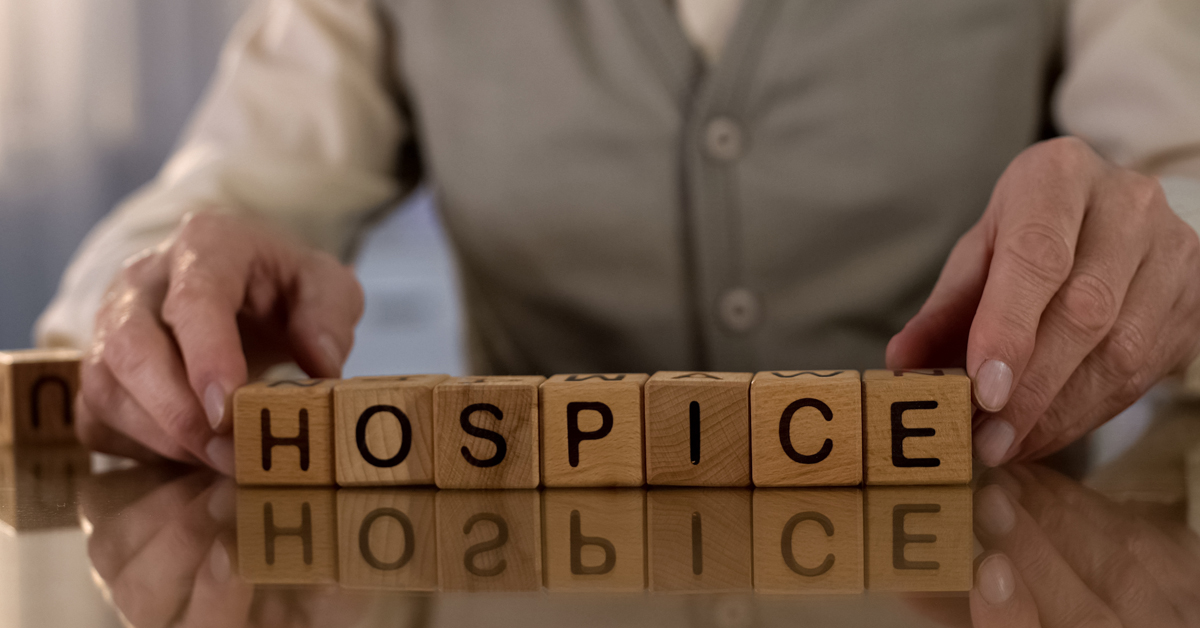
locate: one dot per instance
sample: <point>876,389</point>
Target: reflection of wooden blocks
<point>919,538</point>
<point>806,428</point>
<point>486,432</point>
<point>37,395</point>
<point>286,535</point>
<point>38,486</point>
<point>283,432</point>
<point>387,539</point>
<point>489,541</point>
<point>383,430</point>
<point>699,540</point>
<point>698,429</point>
<point>808,541</point>
<point>595,539</point>
<point>592,430</point>
<point>918,426</point>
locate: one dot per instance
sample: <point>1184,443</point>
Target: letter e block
<point>283,433</point>
<point>383,430</point>
<point>806,428</point>
<point>489,540</point>
<point>37,395</point>
<point>918,426</point>
<point>286,535</point>
<point>808,541</point>
<point>387,539</point>
<point>595,539</point>
<point>919,538</point>
<point>592,430</point>
<point>698,429</point>
<point>486,432</point>
<point>700,540</point>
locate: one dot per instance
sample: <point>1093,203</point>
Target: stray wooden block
<point>592,430</point>
<point>808,541</point>
<point>39,486</point>
<point>919,538</point>
<point>698,429</point>
<point>286,535</point>
<point>486,432</point>
<point>918,426</point>
<point>700,540</point>
<point>387,539</point>
<point>37,395</point>
<point>806,428</point>
<point>489,540</point>
<point>383,430</point>
<point>595,539</point>
<point>283,433</point>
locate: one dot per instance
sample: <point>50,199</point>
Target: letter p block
<point>485,432</point>
<point>918,426</point>
<point>592,430</point>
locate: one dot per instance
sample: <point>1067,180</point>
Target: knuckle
<point>1066,154</point>
<point>1041,253</point>
<point>1125,351</point>
<point>191,287</point>
<point>1037,391</point>
<point>1089,304</point>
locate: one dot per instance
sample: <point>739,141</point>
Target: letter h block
<point>383,430</point>
<point>918,426</point>
<point>283,433</point>
<point>37,395</point>
<point>806,428</point>
<point>592,430</point>
<point>485,432</point>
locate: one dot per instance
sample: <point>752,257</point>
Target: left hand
<point>1077,290</point>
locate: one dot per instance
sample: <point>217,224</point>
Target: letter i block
<point>387,539</point>
<point>383,430</point>
<point>595,539</point>
<point>286,535</point>
<point>806,428</point>
<point>698,429</point>
<point>918,426</point>
<point>592,430</point>
<point>37,395</point>
<point>486,432</point>
<point>283,433</point>
<point>700,540</point>
<point>919,538</point>
<point>808,540</point>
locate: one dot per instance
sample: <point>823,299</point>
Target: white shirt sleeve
<point>299,127</point>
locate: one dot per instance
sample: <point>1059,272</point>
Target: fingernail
<point>332,353</point>
<point>993,383</point>
<point>214,405</point>
<point>994,511</point>
<point>218,563</point>
<point>220,454</point>
<point>993,440</point>
<point>995,580</point>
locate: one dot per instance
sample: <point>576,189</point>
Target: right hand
<point>186,323</point>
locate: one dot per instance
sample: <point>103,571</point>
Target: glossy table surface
<point>91,541</point>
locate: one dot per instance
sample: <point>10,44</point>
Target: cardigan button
<point>723,139</point>
<point>740,310</point>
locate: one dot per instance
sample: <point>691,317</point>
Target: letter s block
<point>37,394</point>
<point>592,430</point>
<point>283,433</point>
<point>383,430</point>
<point>806,428</point>
<point>918,426</point>
<point>486,432</point>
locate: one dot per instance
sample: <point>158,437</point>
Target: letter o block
<point>486,432</point>
<point>806,428</point>
<point>283,433</point>
<point>918,426</point>
<point>383,430</point>
<point>592,430</point>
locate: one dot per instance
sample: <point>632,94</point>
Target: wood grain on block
<point>592,430</point>
<point>698,429</point>
<point>283,433</point>
<point>387,539</point>
<point>37,395</point>
<point>1193,488</point>
<point>808,540</point>
<point>287,535</point>
<point>39,485</point>
<point>594,539</point>
<point>919,538</point>
<point>489,540</point>
<point>806,428</point>
<point>918,426</point>
<point>699,540</point>
<point>486,432</point>
<point>383,430</point>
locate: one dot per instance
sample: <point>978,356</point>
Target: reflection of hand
<point>1058,554</point>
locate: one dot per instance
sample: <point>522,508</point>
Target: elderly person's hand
<point>1076,291</point>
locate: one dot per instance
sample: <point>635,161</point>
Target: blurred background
<point>93,94</point>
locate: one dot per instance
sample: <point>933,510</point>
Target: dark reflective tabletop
<point>91,541</point>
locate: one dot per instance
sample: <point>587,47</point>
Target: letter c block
<point>485,432</point>
<point>283,433</point>
<point>806,428</point>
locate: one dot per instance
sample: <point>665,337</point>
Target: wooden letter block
<point>806,428</point>
<point>286,535</point>
<point>698,429</point>
<point>808,540</point>
<point>486,432</point>
<point>37,395</point>
<point>387,539</point>
<point>595,539</point>
<point>918,426</point>
<point>700,540</point>
<point>383,430</point>
<point>592,430</point>
<point>919,538</point>
<point>283,433</point>
<point>489,541</point>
